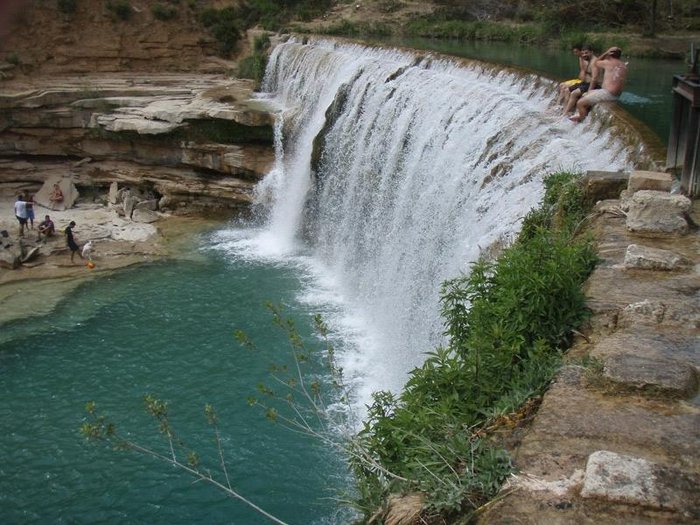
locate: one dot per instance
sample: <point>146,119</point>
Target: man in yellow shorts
<point>615,74</point>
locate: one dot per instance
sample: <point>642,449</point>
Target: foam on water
<point>393,172</point>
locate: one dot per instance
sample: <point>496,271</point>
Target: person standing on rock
<point>21,213</point>
<point>70,241</point>
<point>29,203</point>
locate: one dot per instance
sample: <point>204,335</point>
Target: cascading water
<point>395,170</point>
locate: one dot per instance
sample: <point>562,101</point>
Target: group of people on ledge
<point>601,79</point>
<point>24,212</point>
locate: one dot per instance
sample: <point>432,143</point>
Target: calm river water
<point>165,329</point>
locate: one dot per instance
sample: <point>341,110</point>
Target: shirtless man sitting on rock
<point>613,82</point>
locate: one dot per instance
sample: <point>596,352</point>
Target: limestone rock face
<point>194,142</point>
<point>90,38</point>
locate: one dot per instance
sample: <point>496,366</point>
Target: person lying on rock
<point>46,228</point>
<point>615,73</point>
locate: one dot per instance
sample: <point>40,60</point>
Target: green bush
<point>226,25</point>
<point>163,12</point>
<point>253,66</point>
<point>67,6</point>
<point>120,8</point>
<point>507,324</point>
<point>476,30</point>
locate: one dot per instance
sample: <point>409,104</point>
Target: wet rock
<point>650,180</point>
<point>604,185</point>
<point>144,215</point>
<point>636,481</point>
<point>657,213</point>
<point>646,258</point>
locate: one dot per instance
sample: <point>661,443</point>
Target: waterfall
<point>395,170</point>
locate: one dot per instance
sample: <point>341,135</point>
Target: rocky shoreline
<point>617,436</point>
<point>154,157</point>
<point>118,243</point>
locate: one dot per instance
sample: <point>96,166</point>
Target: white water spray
<point>397,170</point>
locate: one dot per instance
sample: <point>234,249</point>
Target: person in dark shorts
<point>70,240</point>
<point>30,210</point>
<point>46,227</point>
<point>21,213</point>
<point>588,57</point>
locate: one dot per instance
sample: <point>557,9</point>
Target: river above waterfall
<point>647,94</point>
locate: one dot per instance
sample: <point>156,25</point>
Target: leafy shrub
<point>163,12</point>
<point>253,66</point>
<point>348,28</point>
<point>476,30</point>
<point>225,24</point>
<point>507,323</point>
<point>120,8</point>
<point>67,6</point>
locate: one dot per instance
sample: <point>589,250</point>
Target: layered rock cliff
<point>196,142</point>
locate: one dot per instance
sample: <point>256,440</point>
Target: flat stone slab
<point>636,481</point>
<point>639,372</point>
<point>650,180</point>
<point>641,340</point>
<point>647,258</point>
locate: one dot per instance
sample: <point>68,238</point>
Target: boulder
<point>144,215</point>
<point>70,193</point>
<point>657,213</point>
<point>636,481</point>
<point>645,312</point>
<point>9,260</point>
<point>151,204</point>
<point>129,203</point>
<point>30,255</point>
